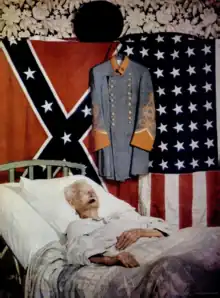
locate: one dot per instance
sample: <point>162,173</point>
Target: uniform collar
<point>119,69</point>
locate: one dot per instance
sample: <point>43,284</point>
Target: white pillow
<point>50,193</point>
<point>22,228</point>
<point>49,202</point>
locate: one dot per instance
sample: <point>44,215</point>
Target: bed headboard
<point>66,167</point>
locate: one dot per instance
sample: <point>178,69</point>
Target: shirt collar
<point>119,69</point>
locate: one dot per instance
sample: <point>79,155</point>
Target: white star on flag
<point>47,106</point>
<point>179,164</point>
<point>175,54</point>
<point>191,70</point>
<point>129,51</point>
<point>192,107</point>
<point>163,146</point>
<point>179,146</point>
<point>12,41</point>
<point>178,127</point>
<point>190,52</point>
<point>192,88</point>
<point>161,91</point>
<point>144,52</point>
<point>150,164</point>
<point>160,38</point>
<point>208,106</point>
<point>175,72</point>
<point>159,55</point>
<point>86,111</point>
<point>207,87</point>
<point>208,124</point>
<point>159,73</point>
<point>207,68</point>
<point>161,109</point>
<point>206,49</point>
<point>193,126</point>
<point>210,161</point>
<point>209,143</point>
<point>177,90</point>
<point>177,38</point>
<point>194,163</point>
<point>194,144</point>
<point>178,109</point>
<point>162,127</point>
<point>143,38</point>
<point>163,164</point>
<point>66,138</point>
<point>29,73</point>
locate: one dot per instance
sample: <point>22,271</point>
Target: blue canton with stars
<point>183,74</point>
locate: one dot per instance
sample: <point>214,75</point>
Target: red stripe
<point>185,200</point>
<point>157,195</point>
<point>213,198</point>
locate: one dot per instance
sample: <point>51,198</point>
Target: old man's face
<point>84,199</point>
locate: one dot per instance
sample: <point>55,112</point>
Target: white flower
<point>61,24</point>
<point>24,34</point>
<point>150,26</point>
<point>163,17</point>
<point>40,11</point>
<point>10,30</point>
<point>209,16</point>
<point>135,17</point>
<point>131,3</point>
<point>28,23</point>
<point>11,15</point>
<point>134,30</point>
<point>150,17</point>
<point>184,26</point>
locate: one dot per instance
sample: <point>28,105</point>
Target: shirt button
<point>130,112</point>
<point>129,118</point>
<point>129,104</point>
<point>113,113</point>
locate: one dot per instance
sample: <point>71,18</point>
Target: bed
<point>12,273</point>
<point>187,264</point>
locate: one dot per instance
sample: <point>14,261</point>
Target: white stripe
<point>90,157</point>
<point>199,204</point>
<point>217,75</point>
<point>144,198</point>
<point>172,200</point>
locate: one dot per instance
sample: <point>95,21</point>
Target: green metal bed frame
<point>66,167</point>
<point>29,165</point>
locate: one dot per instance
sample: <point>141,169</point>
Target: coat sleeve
<point>145,130</point>
<point>99,131</point>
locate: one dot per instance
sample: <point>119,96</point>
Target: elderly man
<point>83,198</point>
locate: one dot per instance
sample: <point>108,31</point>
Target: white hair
<point>71,190</point>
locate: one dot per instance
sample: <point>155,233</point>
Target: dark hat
<point>98,21</point>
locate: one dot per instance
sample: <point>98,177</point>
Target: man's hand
<point>125,259</point>
<point>129,237</point>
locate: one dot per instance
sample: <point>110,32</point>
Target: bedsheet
<point>189,268</point>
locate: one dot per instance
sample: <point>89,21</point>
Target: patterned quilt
<point>188,268</point>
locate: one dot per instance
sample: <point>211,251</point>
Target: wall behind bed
<point>45,105</point>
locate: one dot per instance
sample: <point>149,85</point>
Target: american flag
<point>185,159</point>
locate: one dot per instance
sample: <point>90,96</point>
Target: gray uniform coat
<point>123,118</point>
